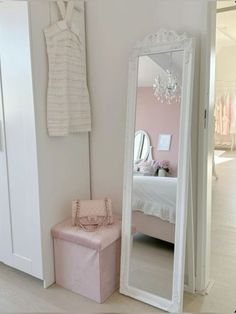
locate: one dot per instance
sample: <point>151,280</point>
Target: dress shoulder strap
<point>69,11</point>
<point>66,11</point>
<point>62,8</point>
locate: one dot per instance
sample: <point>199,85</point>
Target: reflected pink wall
<point>156,118</point>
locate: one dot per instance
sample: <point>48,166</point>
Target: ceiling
<point>225,3</point>
<point>157,64</point>
<point>226,25</point>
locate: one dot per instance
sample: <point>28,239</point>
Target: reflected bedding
<point>155,196</point>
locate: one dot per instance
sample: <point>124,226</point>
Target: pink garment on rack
<point>233,116</point>
<point>226,115</point>
<point>223,115</point>
<point>218,116</point>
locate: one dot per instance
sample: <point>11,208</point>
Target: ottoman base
<point>88,272</point>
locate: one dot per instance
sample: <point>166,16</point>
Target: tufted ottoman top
<point>97,240</point>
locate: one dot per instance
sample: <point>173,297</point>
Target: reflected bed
<point>154,206</point>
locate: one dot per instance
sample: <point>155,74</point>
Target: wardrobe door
<point>5,230</point>
<point>20,137</point>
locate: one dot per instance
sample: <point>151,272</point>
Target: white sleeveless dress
<point>68,105</point>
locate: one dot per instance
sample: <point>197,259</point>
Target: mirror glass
<point>141,146</point>
<point>158,103</point>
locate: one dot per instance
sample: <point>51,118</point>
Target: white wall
<point>63,162</point>
<point>225,66</point>
<point>113,27</point>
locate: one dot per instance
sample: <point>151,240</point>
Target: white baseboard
<point>208,288</point>
<point>188,289</point>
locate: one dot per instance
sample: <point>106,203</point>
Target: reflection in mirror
<point>154,196</point>
<point>141,146</point>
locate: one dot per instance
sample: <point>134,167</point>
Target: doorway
<point>223,231</point>
<point>217,244</point>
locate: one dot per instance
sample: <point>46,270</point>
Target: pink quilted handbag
<point>90,215</point>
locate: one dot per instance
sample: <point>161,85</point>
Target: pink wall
<point>156,118</point>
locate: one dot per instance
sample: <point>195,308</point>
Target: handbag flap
<point>94,208</point>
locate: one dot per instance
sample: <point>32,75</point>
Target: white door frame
<point>206,147</point>
<point>5,225</point>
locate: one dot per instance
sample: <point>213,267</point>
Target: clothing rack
<point>224,87</point>
<point>224,82</point>
<point>227,9</point>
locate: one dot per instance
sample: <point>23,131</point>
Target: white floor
<point>222,297</point>
<point>224,229</point>
<point>22,293</point>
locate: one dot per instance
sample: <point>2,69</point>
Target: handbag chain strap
<point>77,216</point>
<point>106,208</point>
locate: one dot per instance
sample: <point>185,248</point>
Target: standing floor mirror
<point>156,185</point>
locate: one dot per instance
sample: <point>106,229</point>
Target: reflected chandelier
<point>167,88</point>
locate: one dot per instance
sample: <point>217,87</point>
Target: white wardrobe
<point>39,175</point>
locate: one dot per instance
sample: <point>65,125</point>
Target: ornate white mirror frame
<point>161,42</point>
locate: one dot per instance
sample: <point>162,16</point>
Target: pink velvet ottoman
<point>88,263</point>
